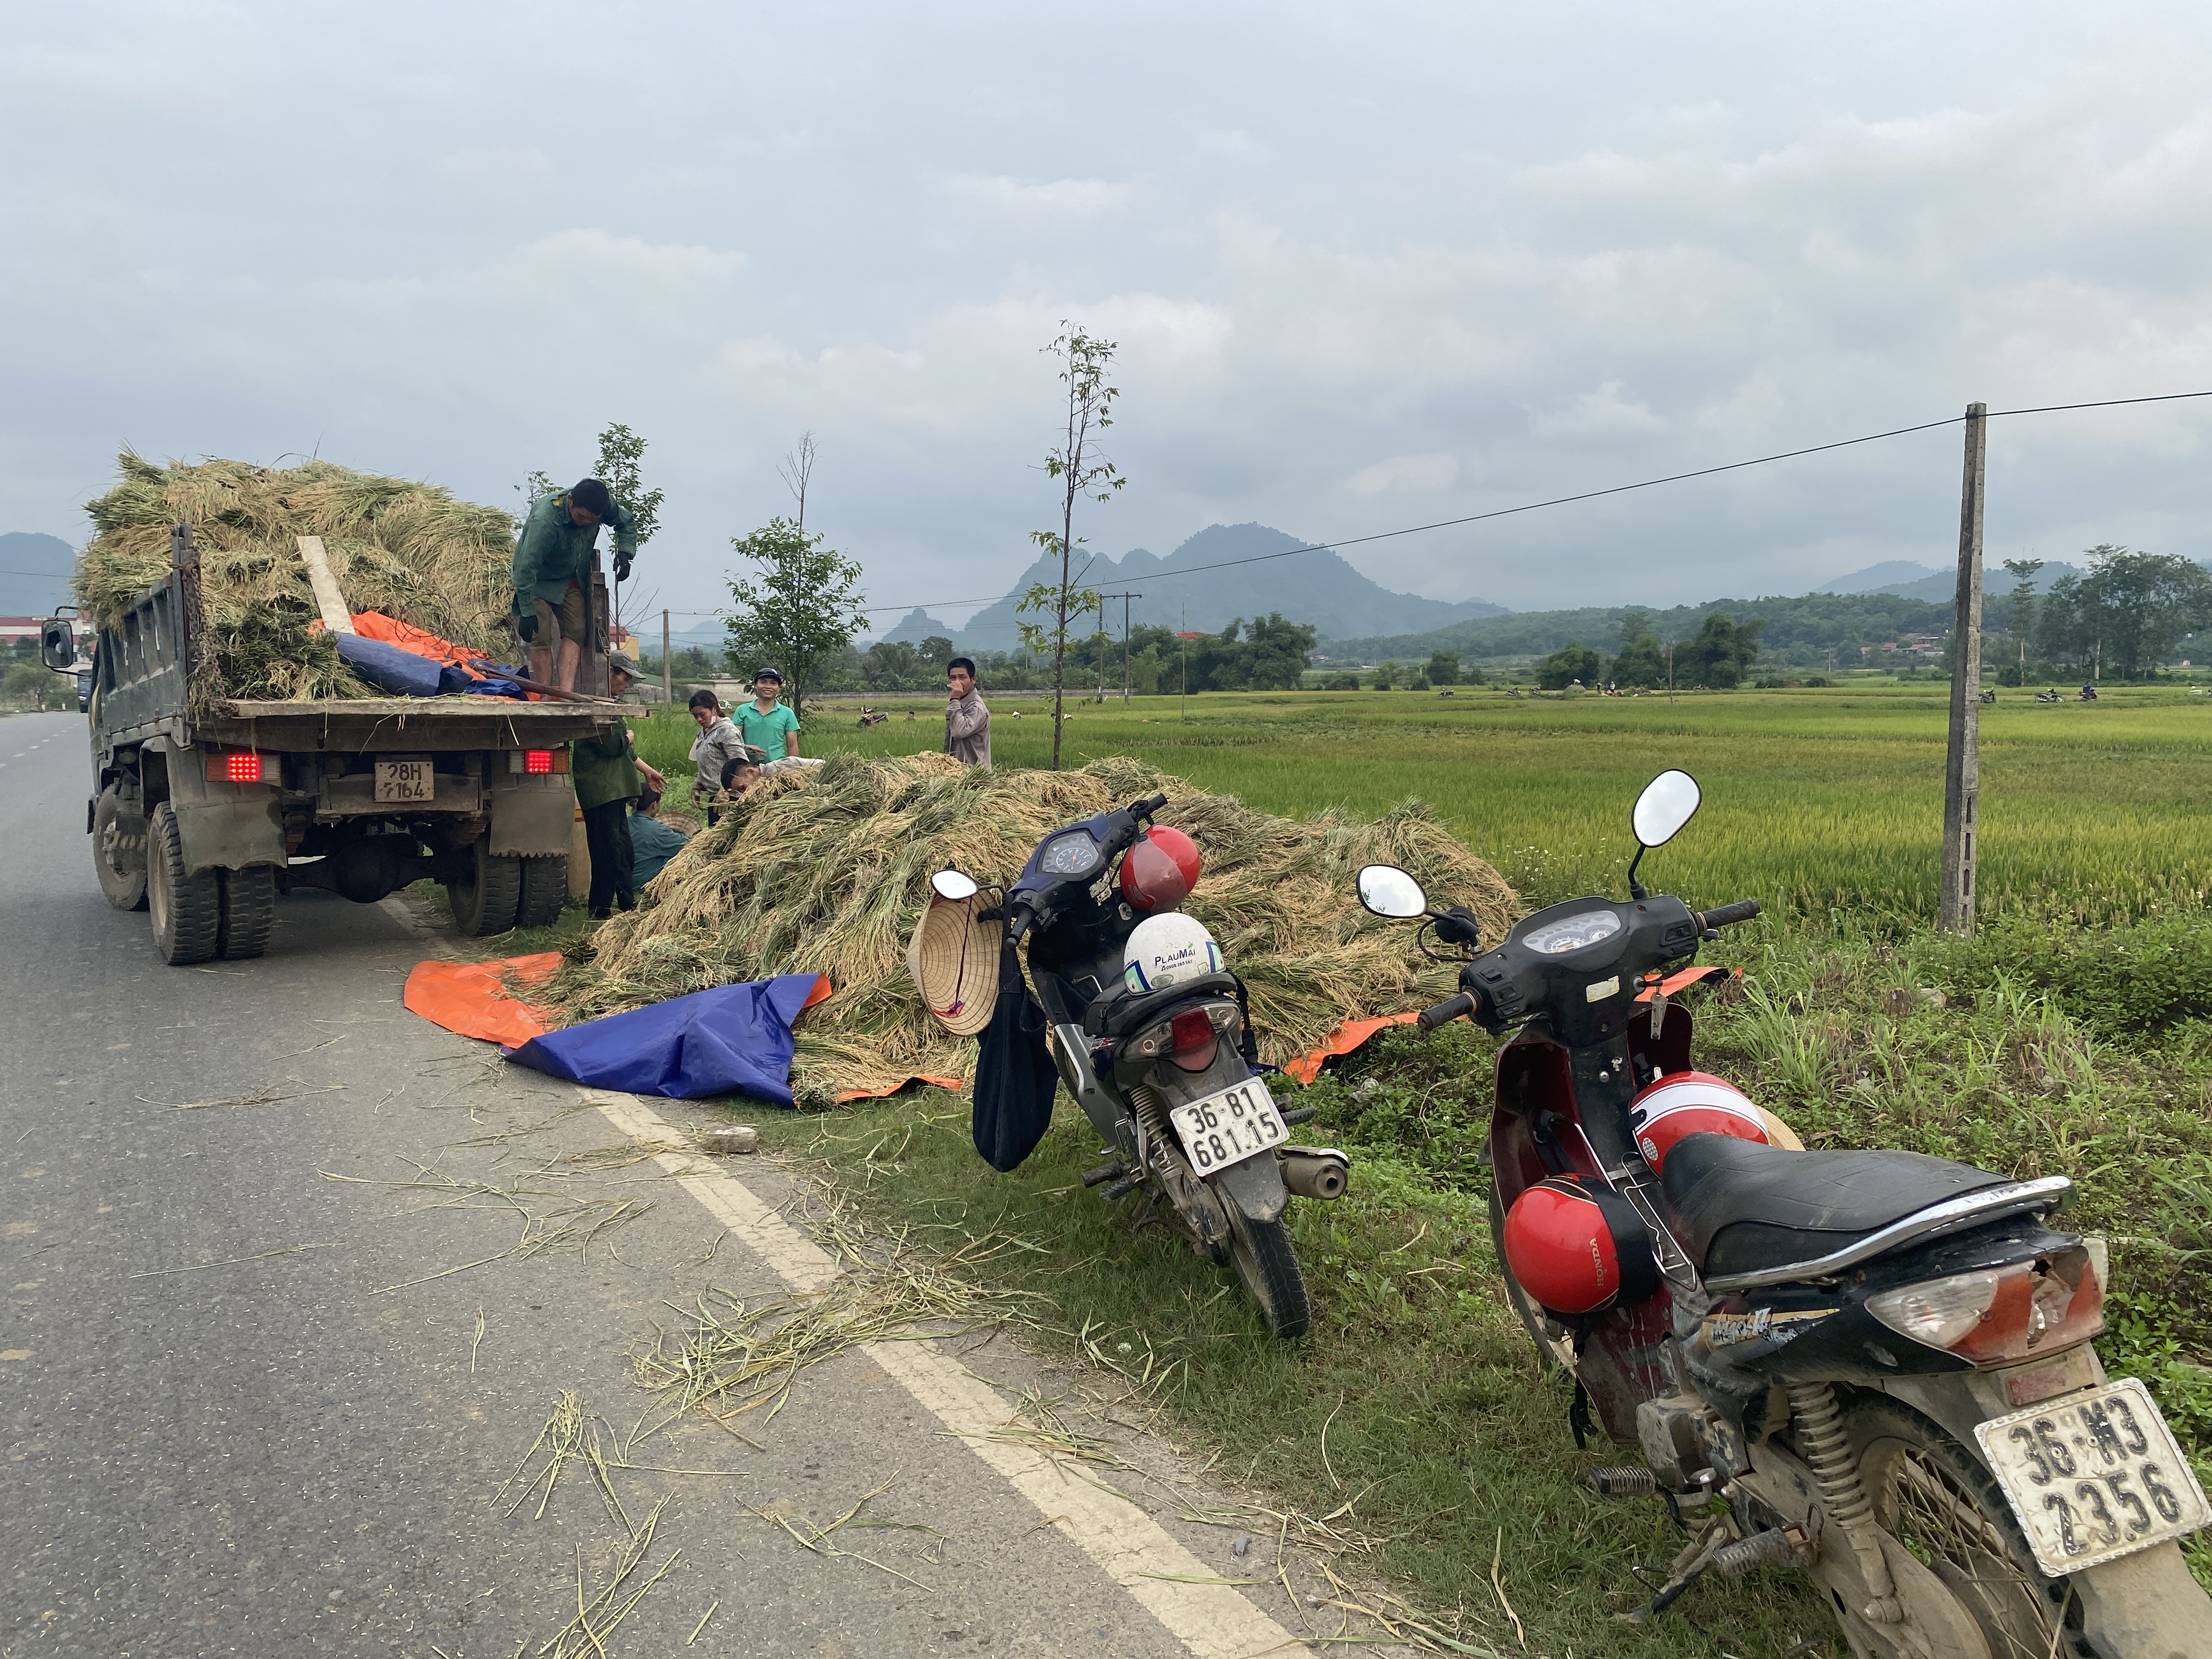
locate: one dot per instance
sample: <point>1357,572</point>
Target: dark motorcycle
<point>1873,1366</point>
<point>1167,1078</point>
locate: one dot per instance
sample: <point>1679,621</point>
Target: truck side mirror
<point>58,644</point>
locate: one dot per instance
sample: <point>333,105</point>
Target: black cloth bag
<point>1014,1074</point>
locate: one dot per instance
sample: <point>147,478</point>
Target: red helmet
<point>1578,1247</point>
<point>1160,869</point>
<point>1690,1103</point>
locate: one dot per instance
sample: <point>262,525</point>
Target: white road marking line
<point>1212,1621</point>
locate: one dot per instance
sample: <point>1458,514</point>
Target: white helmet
<point>1168,950</point>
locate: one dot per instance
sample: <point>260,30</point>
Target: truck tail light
<point>239,767</point>
<point>538,762</point>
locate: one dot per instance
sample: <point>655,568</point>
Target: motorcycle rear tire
<point>1267,1260</point>
<point>1935,1496</point>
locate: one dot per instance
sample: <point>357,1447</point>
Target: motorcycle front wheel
<point>1934,1497</point>
<point>1267,1261</point>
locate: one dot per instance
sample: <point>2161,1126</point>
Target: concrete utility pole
<point>667,670</point>
<point>1962,770</point>
<point>1124,598</point>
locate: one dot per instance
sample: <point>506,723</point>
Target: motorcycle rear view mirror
<point>952,885</point>
<point>1390,892</point>
<point>1669,801</point>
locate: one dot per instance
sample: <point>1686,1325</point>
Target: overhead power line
<point>1562,501</point>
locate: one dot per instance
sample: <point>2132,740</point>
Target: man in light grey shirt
<point>967,721</point>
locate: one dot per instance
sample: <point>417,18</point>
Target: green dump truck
<point>205,810</point>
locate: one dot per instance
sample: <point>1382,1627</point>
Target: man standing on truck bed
<point>553,574</point>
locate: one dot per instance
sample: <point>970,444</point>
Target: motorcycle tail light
<point>2001,1315</point>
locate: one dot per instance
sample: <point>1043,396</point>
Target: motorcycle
<point>1875,1366</point>
<point>1168,1077</point>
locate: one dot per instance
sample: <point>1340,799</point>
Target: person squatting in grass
<point>652,843</point>
<point>717,745</point>
<point>967,721</point>
<point>606,771</point>
<point>766,724</point>
<point>553,574</point>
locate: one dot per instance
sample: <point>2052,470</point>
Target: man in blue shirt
<point>553,574</point>
<point>652,843</point>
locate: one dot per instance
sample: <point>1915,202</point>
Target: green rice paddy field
<point>2074,1037</point>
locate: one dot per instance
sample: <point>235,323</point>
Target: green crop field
<point>2074,1037</point>
<point>1825,797</point>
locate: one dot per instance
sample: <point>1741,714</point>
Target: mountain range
<point>1926,581</point>
<point>1223,572</point>
<point>35,573</point>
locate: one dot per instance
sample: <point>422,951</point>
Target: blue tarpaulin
<point>734,1039</point>
<point>388,666</point>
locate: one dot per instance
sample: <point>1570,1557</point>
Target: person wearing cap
<point>606,771</point>
<point>765,724</point>
<point>553,574</point>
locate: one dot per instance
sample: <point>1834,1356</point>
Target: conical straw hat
<point>954,959</point>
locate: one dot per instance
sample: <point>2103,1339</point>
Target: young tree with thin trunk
<point>621,450</point>
<point>799,611</point>
<point>1082,471</point>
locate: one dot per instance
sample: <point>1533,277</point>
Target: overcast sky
<point>1368,265</point>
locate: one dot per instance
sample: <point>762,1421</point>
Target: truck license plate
<point>405,780</point>
<point>1240,1121</point>
<point>2093,1476</point>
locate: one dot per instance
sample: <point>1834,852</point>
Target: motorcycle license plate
<point>1240,1121</point>
<point>405,780</point>
<point>2093,1476</point>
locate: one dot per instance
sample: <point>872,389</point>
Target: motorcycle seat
<point>1118,1016</point>
<point>1739,1206</point>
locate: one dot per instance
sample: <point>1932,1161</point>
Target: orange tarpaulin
<point>1342,1040</point>
<point>469,997</point>
<point>472,999</point>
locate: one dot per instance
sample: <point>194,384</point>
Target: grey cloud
<point>1368,267</point>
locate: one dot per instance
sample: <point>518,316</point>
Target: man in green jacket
<point>553,574</point>
<point>606,773</point>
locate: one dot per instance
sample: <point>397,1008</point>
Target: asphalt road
<point>242,1416</point>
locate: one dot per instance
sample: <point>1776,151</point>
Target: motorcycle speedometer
<point>1073,854</point>
<point>1573,933</point>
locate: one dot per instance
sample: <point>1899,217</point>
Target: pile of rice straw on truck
<point>410,550</point>
<point>827,873</point>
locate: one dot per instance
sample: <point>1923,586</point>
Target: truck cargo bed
<point>363,724</point>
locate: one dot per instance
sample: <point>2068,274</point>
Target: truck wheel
<point>487,890</point>
<point>249,911</point>
<point>187,908</point>
<point>118,851</point>
<point>545,891</point>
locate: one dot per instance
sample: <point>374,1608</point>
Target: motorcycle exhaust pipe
<point>1321,1172</point>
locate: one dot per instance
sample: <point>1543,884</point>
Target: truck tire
<point>545,891</point>
<point>187,909</point>
<point>486,891</point>
<point>118,851</point>
<point>249,911</point>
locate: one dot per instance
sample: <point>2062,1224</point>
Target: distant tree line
<point>2127,616</point>
<point>1719,655</point>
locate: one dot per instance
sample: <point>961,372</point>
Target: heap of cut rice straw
<point>410,550</point>
<point>828,874</point>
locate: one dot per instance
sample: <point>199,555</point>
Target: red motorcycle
<point>1875,1366</point>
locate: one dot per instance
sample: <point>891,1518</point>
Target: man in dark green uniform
<point>553,574</point>
<point>606,773</point>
